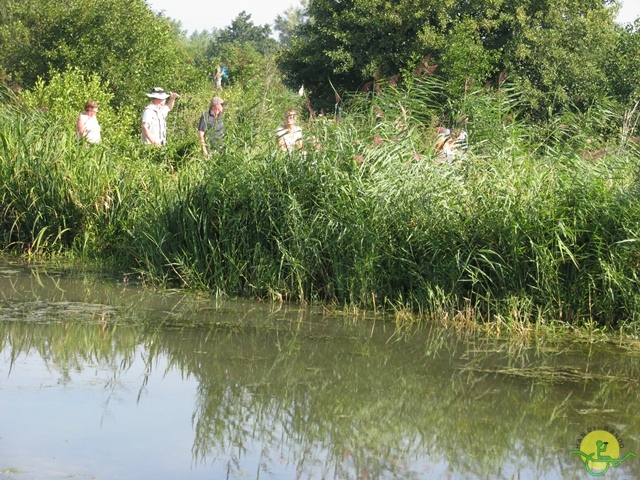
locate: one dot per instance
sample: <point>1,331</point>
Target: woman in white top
<point>289,135</point>
<point>87,124</point>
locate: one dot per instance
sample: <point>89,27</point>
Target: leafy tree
<point>198,44</point>
<point>465,60</point>
<point>622,64</point>
<point>244,63</point>
<point>287,23</point>
<point>555,51</point>
<point>122,41</point>
<point>243,31</point>
<point>348,43</point>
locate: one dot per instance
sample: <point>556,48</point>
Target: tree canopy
<point>558,52</point>
<point>122,41</point>
<point>243,31</point>
<point>287,23</point>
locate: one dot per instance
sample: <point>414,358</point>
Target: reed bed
<point>535,223</point>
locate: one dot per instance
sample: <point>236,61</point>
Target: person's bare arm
<point>282,143</point>
<point>80,126</point>
<point>203,144</point>
<point>281,134</point>
<point>172,99</point>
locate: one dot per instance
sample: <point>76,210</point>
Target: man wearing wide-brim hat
<point>154,116</point>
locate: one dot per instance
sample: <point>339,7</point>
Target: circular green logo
<point>599,443</point>
<point>600,450</point>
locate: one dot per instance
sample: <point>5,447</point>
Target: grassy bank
<point>534,223</point>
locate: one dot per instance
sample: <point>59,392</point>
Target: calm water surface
<point>106,379</point>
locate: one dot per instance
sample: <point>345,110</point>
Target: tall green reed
<point>522,227</point>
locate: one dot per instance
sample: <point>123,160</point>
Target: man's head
<point>290,117</point>
<point>157,95</point>
<point>216,106</point>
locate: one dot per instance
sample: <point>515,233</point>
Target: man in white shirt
<point>154,116</point>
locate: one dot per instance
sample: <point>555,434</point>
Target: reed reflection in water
<point>111,380</point>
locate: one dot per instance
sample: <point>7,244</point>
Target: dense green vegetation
<point>557,53</point>
<point>539,219</point>
<point>122,41</point>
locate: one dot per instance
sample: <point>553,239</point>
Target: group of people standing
<point>449,145</point>
<point>210,127</point>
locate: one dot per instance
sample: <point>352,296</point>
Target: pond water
<point>107,379</point>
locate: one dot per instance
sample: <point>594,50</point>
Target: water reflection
<point>108,379</point>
